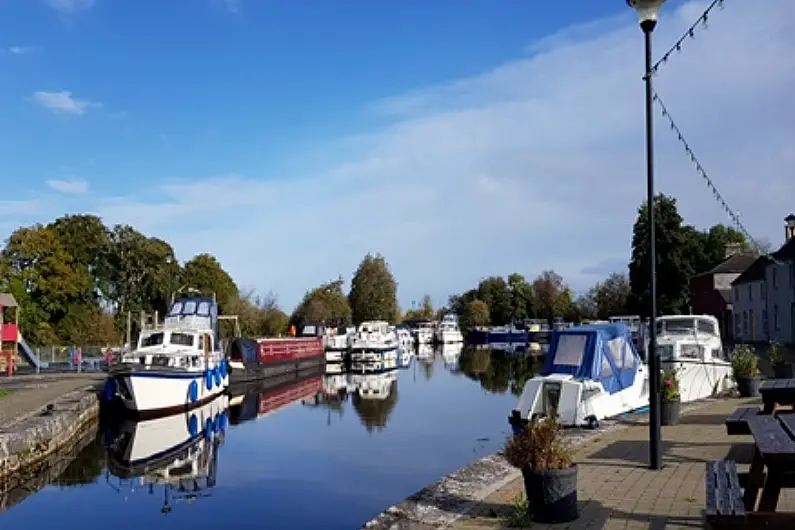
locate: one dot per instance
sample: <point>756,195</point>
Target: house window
<point>745,323</point>
<point>775,318</point>
<point>736,296</point>
<point>738,324</point>
<point>765,324</point>
<point>763,290</point>
<point>775,277</point>
<point>750,292</point>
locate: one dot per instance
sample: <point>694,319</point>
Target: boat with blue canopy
<point>591,372</point>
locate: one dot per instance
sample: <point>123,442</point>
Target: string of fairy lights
<point>699,24</point>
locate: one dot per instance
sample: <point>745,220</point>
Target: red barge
<point>253,360</point>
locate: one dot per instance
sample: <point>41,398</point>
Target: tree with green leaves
<point>424,312</point>
<point>42,279</point>
<point>87,240</point>
<point>612,296</point>
<point>673,266</point>
<point>205,274</point>
<point>373,293</point>
<point>551,295</point>
<point>521,297</point>
<point>477,313</point>
<point>325,304</point>
<point>494,291</point>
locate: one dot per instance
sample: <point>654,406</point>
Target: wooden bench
<point>725,508</point>
<point>737,422</point>
<point>777,393</point>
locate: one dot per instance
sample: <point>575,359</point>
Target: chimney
<point>789,228</point>
<point>732,249</point>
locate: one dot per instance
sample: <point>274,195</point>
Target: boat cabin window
<point>705,326</point>
<point>152,340</point>
<point>570,350</point>
<point>176,309</point>
<point>204,309</point>
<point>190,307</point>
<point>182,339</point>
<point>676,326</point>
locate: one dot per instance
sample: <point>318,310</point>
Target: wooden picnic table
<point>777,392</point>
<point>773,465</point>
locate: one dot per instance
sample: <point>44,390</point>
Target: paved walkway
<point>617,490</point>
<point>30,393</point>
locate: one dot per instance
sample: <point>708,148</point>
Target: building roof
<point>754,273</point>
<point>7,300</point>
<point>736,263</point>
<point>786,252</point>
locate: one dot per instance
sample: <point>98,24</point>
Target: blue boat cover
<point>245,350</point>
<point>600,352</point>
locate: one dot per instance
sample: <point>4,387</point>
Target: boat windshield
<point>152,340</point>
<point>676,326</point>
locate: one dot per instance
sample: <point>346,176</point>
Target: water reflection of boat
<point>451,353</point>
<point>375,397</point>
<point>178,452</point>
<point>424,351</point>
<point>256,401</point>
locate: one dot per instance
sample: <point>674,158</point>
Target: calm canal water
<point>306,454</point>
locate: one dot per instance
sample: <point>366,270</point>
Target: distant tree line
<point>76,279</point>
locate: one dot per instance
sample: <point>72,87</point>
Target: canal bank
<point>41,415</point>
<point>466,491</point>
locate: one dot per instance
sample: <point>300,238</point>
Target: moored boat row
<point>593,372</point>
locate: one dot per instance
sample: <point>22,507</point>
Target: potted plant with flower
<point>781,369</point>
<point>745,370</point>
<point>550,473</point>
<point>670,400</point>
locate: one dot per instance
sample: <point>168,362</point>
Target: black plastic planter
<point>669,411</point>
<point>551,494</point>
<point>748,386</point>
<point>782,371</point>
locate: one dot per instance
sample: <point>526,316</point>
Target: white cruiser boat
<point>448,331</point>
<point>405,340</point>
<point>424,333</point>
<point>590,373</point>
<point>176,366</point>
<point>337,342</point>
<point>691,345</point>
<point>451,352</point>
<point>374,341</point>
<point>424,351</point>
<point>178,453</point>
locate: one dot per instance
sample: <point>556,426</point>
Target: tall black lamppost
<point>648,10</point>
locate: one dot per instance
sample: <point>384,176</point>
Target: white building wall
<point>780,280</point>
<point>750,312</point>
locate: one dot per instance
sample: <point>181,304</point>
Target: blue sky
<point>459,138</point>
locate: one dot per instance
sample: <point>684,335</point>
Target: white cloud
<point>70,7</point>
<point>233,6</point>
<point>74,186</point>
<point>538,163</point>
<point>17,50</point>
<point>63,102</point>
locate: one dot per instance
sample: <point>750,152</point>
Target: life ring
<point>208,379</point>
<point>208,429</point>
<point>193,391</point>
<point>193,425</point>
<point>223,368</point>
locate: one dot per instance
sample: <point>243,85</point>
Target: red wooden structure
<point>9,332</point>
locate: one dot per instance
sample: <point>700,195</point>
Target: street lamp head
<point>648,10</point>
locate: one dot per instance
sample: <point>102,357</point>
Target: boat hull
<point>579,403</point>
<point>145,393</point>
<point>249,372</point>
<point>700,379</point>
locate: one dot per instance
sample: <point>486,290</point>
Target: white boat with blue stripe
<point>176,366</point>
